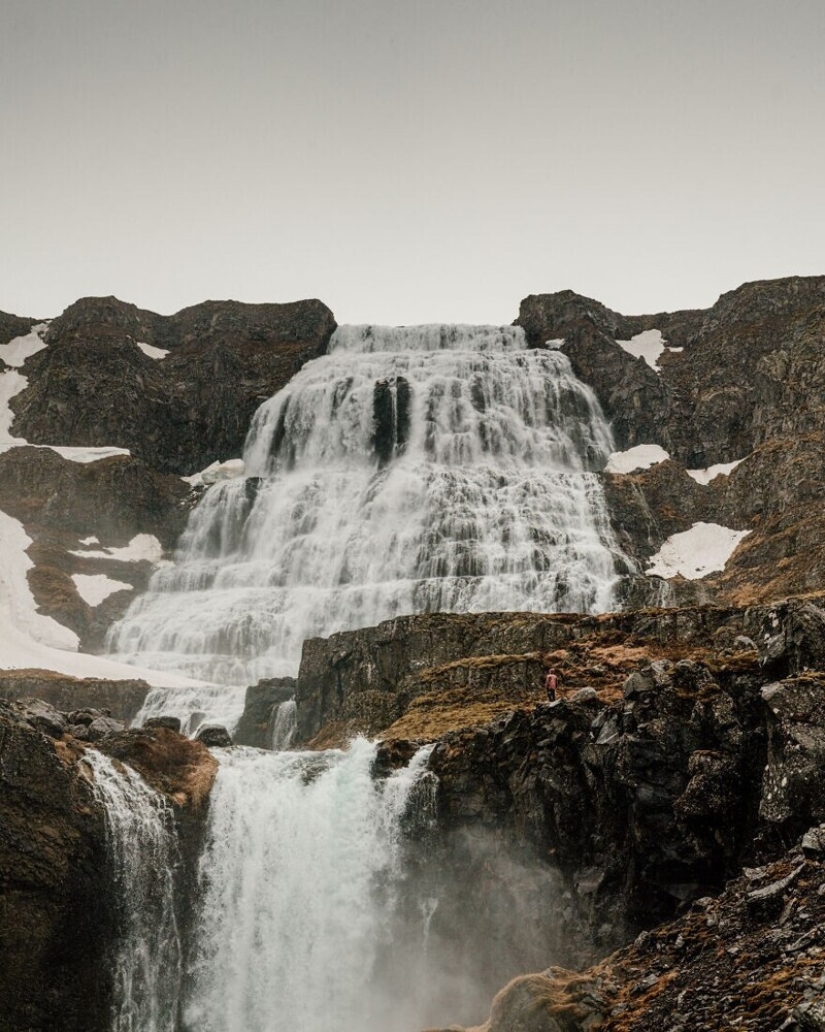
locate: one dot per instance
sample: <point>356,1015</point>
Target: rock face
<point>57,910</point>
<point>55,902</point>
<point>93,385</point>
<point>122,699</point>
<point>741,381</point>
<point>678,751</point>
<point>12,326</point>
<point>260,706</point>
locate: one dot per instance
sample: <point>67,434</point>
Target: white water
<point>298,890</point>
<point>142,851</point>
<point>284,725</point>
<point>410,470</point>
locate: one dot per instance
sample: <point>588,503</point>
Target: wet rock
<point>119,699</point>
<point>213,736</point>
<point>260,705</point>
<point>44,717</point>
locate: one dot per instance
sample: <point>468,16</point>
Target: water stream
<point>412,469</point>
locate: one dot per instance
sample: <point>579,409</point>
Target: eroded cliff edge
<point>689,745</point>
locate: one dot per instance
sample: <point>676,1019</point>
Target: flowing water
<point>416,469</point>
<point>143,853</point>
<point>298,891</point>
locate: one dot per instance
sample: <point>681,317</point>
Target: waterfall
<point>418,469</point>
<point>142,851</point>
<point>284,725</point>
<point>299,880</point>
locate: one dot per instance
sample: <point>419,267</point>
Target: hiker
<point>551,683</point>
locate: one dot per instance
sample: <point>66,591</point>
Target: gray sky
<point>408,160</point>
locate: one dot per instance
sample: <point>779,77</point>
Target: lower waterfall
<point>299,877</point>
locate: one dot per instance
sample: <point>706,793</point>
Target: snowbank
<point>141,547</point>
<point>152,351</point>
<point>640,457</point>
<point>94,588</point>
<point>695,553</point>
<point>649,345</point>
<point>721,469</point>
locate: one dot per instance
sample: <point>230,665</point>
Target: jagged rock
<point>260,704</point>
<point>813,841</point>
<point>12,326</point>
<point>213,736</point>
<point>93,385</point>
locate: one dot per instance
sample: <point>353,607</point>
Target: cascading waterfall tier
<point>298,896</point>
<point>420,469</point>
<point>142,848</point>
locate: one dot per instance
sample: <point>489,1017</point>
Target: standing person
<point>551,683</point>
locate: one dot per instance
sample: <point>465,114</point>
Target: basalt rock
<point>93,385</point>
<point>261,703</point>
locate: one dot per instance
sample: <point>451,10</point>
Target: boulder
<point>213,736</point>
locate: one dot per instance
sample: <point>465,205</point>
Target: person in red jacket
<point>551,683</point>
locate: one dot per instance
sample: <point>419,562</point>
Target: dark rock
<point>92,385</point>
<point>44,717</point>
<point>56,911</point>
<point>100,727</point>
<point>118,699</point>
<point>170,723</point>
<point>260,705</point>
<point>213,736</point>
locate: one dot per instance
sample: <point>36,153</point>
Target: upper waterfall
<point>411,469</point>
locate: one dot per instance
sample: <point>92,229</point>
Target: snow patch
<point>13,382</point>
<point>141,547</point>
<point>641,457</point>
<point>649,345</point>
<point>30,640</point>
<point>94,588</point>
<point>18,350</point>
<point>152,351</point>
<point>695,553</point>
<point>554,345</point>
<point>721,469</point>
<point>89,540</point>
<point>229,470</point>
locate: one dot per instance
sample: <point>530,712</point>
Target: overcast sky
<point>408,160</point>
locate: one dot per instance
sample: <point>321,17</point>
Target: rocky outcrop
<point>121,699</point>
<point>55,902</point>
<point>12,326</point>
<point>93,385</point>
<point>261,704</point>
<point>445,671</point>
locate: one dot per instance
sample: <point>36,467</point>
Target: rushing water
<point>415,469</point>
<point>298,887</point>
<point>142,852</point>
